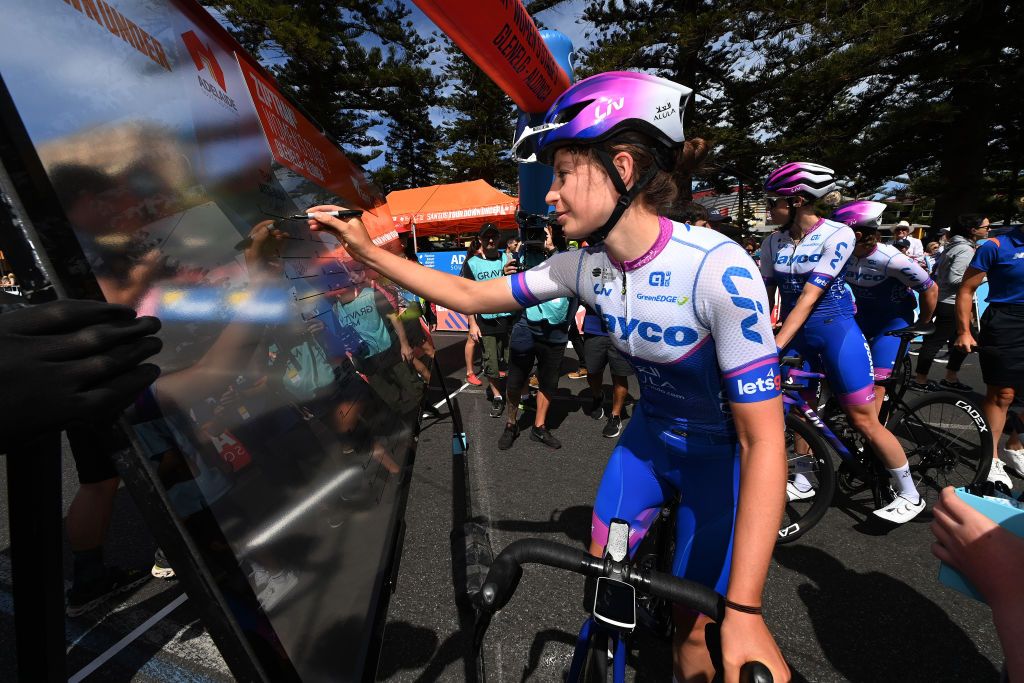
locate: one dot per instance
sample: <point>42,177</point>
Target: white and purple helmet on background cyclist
<point>800,178</point>
<point>599,107</point>
<point>860,214</point>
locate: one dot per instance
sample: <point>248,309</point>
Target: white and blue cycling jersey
<point>820,258</point>
<point>881,284</point>
<point>690,315</point>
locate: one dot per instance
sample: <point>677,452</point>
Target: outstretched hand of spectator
<point>70,360</point>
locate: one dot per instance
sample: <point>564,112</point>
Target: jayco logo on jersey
<point>869,277</point>
<point>660,278</point>
<point>769,382</point>
<point>606,106</point>
<point>743,302</point>
<point>787,259</point>
<point>677,335</point>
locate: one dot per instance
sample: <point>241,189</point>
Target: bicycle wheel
<point>816,469</point>
<point>947,441</point>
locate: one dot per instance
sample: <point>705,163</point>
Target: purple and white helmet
<point>860,214</point>
<point>800,178</point>
<point>599,107</point>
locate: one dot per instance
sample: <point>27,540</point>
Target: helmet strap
<point>626,195</point>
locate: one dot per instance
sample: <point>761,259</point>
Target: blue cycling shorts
<point>837,348</point>
<point>648,467</point>
<point>883,347</point>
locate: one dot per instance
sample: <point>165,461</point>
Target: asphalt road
<point>844,604</point>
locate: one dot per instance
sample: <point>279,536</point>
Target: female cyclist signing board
<point>684,305</point>
<point>807,260</point>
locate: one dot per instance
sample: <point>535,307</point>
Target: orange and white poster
<point>300,146</point>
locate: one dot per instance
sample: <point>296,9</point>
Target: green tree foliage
<point>477,136</point>
<point>877,89</point>
<point>353,64</point>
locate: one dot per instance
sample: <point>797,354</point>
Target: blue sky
<point>565,18</point>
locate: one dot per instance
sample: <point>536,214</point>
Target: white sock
<point>802,483</point>
<point>904,483</point>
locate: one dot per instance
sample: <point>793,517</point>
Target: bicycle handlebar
<point>507,569</point>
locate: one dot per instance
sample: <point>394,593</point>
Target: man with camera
<point>491,330</point>
<point>540,334</point>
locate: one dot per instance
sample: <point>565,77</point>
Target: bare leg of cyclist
<point>879,398</point>
<point>691,662</point>
<point>864,419</point>
<point>997,402</point>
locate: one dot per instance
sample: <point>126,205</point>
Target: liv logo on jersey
<point>743,302</point>
<point>601,290</point>
<point>677,335</point>
<point>660,278</point>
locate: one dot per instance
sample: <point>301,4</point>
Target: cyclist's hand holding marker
<point>351,232</point>
<point>745,638</point>
<point>966,342</point>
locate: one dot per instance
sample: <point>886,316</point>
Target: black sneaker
<point>508,436</point>
<point>498,406</point>
<point>545,437</point>
<point>927,386</point>
<point>596,410</point>
<point>613,428</point>
<point>955,386</point>
<point>83,598</point>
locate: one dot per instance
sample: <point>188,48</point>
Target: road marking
<point>128,639</point>
<point>451,395</point>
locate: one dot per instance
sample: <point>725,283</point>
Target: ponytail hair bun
<point>691,156</point>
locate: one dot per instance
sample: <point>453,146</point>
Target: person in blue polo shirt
<point>1001,341</point>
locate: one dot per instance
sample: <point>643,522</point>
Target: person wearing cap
<point>915,249</point>
<point>490,329</point>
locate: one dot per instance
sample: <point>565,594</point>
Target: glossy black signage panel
<point>281,429</point>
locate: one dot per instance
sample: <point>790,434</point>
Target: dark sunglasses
<point>773,201</point>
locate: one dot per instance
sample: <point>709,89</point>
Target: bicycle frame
<point>791,398</point>
<point>579,655</point>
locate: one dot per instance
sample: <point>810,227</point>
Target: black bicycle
<point>601,643</point>
<point>945,437</point>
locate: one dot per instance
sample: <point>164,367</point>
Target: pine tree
<point>343,60</point>
<point>477,137</point>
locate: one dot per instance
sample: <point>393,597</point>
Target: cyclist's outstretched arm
<point>451,291</point>
<point>761,430</point>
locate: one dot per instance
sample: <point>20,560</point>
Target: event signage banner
<point>502,39</point>
<point>279,436</point>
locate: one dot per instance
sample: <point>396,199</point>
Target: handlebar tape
<point>688,593</point>
<point>504,574</point>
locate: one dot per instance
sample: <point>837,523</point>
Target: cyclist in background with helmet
<point>684,306</point>
<point>806,259</point>
<point>881,279</point>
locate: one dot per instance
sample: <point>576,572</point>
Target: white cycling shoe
<point>796,492</point>
<point>900,510</point>
<point>1014,459</point>
<point>997,474</point>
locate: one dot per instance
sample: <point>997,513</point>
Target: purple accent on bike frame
<point>637,528</point>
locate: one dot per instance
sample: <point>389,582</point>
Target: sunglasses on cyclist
<point>773,201</point>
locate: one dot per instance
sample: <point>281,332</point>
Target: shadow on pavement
<point>573,522</point>
<point>872,627</point>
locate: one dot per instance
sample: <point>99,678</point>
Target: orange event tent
<point>456,208</point>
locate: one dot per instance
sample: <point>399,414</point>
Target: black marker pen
<point>344,213</point>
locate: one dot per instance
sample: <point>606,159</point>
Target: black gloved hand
<point>69,360</point>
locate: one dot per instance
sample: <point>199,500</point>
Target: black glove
<point>66,361</point>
